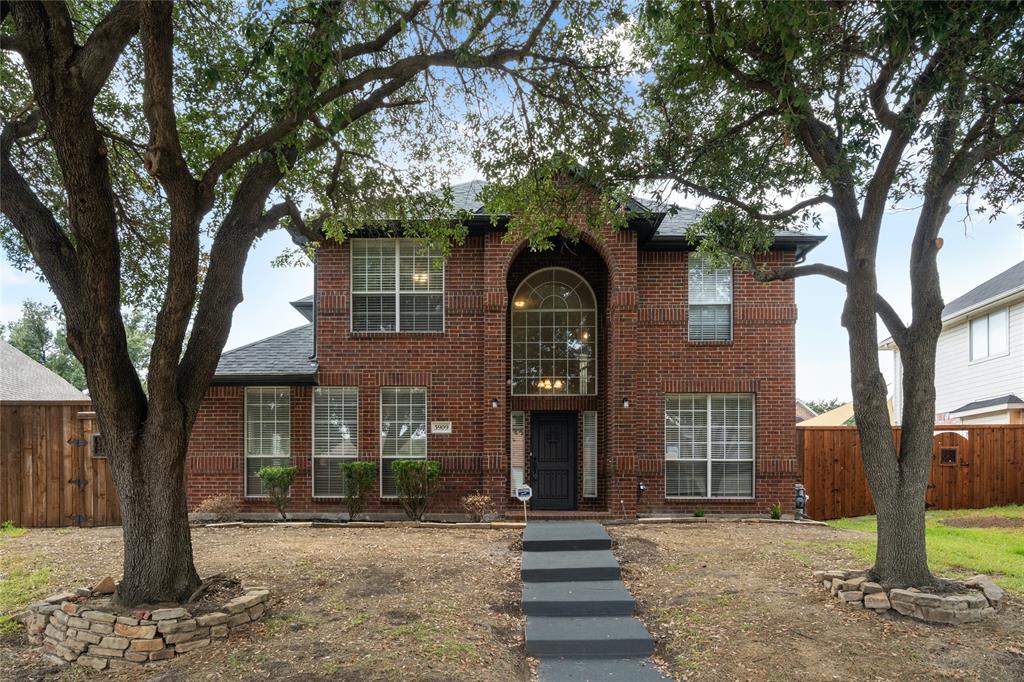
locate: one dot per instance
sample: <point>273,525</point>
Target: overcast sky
<point>972,254</point>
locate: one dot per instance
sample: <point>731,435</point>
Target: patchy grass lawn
<point>961,543</point>
<point>347,604</point>
<point>736,601</point>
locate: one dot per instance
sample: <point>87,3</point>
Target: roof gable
<point>24,379</point>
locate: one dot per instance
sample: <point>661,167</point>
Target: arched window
<point>554,335</point>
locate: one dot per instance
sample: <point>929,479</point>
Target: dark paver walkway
<point>579,615</point>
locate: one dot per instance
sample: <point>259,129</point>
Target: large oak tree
<point>781,111</point>
<point>147,145</point>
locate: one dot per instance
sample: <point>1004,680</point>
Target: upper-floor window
<point>710,301</point>
<point>990,335</point>
<point>554,335</point>
<point>397,286</point>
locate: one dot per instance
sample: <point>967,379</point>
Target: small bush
<point>415,480</point>
<point>776,511</point>
<point>360,477</point>
<point>698,512</point>
<point>277,481</point>
<point>478,506</point>
<point>221,508</point>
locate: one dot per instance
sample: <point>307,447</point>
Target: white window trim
<point>753,446</point>
<point>397,291</point>
<point>732,305</point>
<point>380,429</point>
<point>245,436</point>
<point>597,335</point>
<point>971,360</point>
<point>313,455</point>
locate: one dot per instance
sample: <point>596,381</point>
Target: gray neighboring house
<point>979,361</point>
<point>23,380</point>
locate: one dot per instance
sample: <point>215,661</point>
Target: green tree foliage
<point>415,480</point>
<point>41,334</point>
<point>277,482</point>
<point>823,405</point>
<point>146,147</point>
<point>360,478</point>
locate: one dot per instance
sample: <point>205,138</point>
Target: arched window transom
<point>554,335</point>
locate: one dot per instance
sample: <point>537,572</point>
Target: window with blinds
<point>709,312</point>
<point>335,437</point>
<point>517,445</point>
<point>709,445</point>
<point>397,286</point>
<point>590,454</point>
<point>403,431</point>
<point>267,433</point>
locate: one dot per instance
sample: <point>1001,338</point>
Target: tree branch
<point>889,316</point>
<point>95,60</point>
<point>751,210</point>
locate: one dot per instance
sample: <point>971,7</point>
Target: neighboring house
<point>803,411</point>
<point>24,380</point>
<point>979,361</point>
<point>617,375</point>
<point>839,416</point>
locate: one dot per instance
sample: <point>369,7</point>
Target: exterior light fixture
<point>625,402</point>
<point>641,487</point>
<point>494,402</point>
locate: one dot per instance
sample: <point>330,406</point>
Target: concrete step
<point>564,536</point>
<point>606,636</point>
<point>577,598</point>
<point>569,566</point>
<point>598,669</point>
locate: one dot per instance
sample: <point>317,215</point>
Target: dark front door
<point>553,438</point>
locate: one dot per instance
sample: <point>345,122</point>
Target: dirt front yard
<point>347,604</point>
<point>735,601</point>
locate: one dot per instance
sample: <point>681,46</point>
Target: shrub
<point>221,507</point>
<point>478,506</point>
<point>277,481</point>
<point>415,480</point>
<point>698,512</point>
<point>776,511</point>
<point>360,477</point>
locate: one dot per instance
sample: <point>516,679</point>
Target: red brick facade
<point>643,353</point>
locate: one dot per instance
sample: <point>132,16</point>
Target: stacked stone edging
<point>981,598</point>
<point>75,633</point>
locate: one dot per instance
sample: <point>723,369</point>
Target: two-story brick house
<point>619,375</point>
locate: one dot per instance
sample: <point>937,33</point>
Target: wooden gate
<point>972,467</point>
<point>52,472</point>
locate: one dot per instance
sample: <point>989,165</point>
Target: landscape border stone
<point>70,632</point>
<point>979,599</point>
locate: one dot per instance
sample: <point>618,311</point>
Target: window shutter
<point>517,448</point>
<point>590,454</point>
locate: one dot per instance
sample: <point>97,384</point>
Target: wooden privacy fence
<point>49,473</point>
<point>972,467</point>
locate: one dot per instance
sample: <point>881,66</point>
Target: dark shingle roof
<point>1009,399</point>
<point>284,356</point>
<point>24,379</point>
<point>1003,283</point>
<point>305,306</point>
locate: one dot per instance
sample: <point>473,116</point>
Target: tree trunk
<point>897,482</point>
<point>158,564</point>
